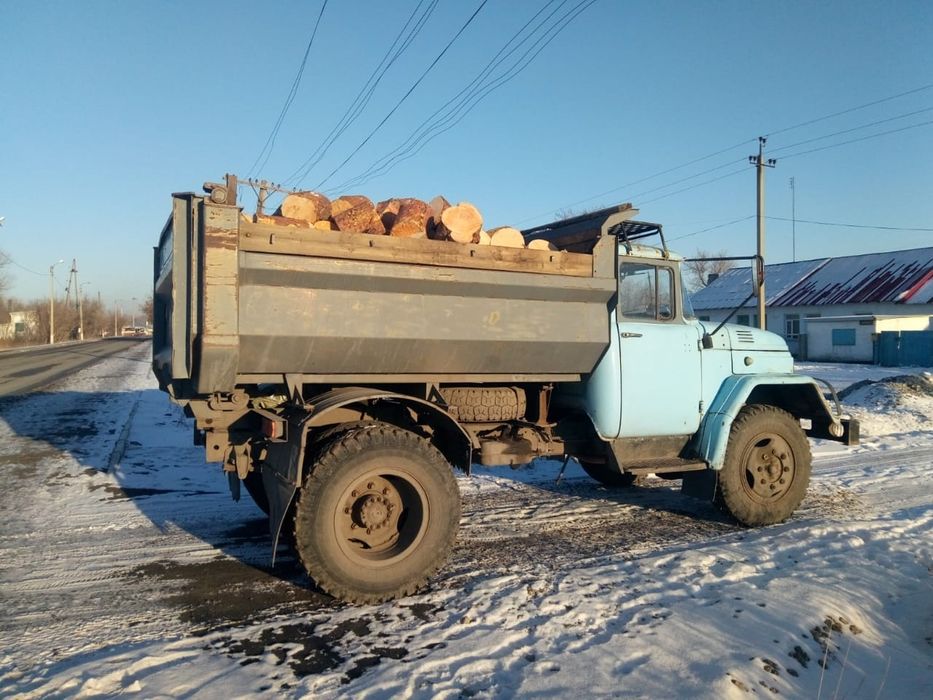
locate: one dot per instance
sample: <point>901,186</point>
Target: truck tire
<point>377,515</point>
<point>767,466</point>
<point>608,475</point>
<point>485,405</point>
<point>256,490</point>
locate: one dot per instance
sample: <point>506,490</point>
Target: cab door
<point>659,352</point>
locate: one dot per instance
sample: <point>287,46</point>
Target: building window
<point>792,326</point>
<point>843,336</point>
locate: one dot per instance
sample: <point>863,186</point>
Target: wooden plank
<point>268,238</point>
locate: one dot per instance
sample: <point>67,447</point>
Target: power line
<point>446,117</point>
<point>406,95</point>
<point>359,103</point>
<point>772,133</point>
<point>863,138</point>
<point>7,259</point>
<point>851,109</point>
<point>713,228</point>
<point>699,184</point>
<point>854,128</point>
<point>842,225</point>
<point>270,141</point>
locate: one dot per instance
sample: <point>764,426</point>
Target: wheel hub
<point>769,467</point>
<point>370,514</point>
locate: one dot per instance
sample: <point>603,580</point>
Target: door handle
<point>626,334</point>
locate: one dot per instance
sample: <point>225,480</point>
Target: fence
<point>904,348</point>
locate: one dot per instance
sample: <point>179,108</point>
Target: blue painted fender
<point>797,394</point>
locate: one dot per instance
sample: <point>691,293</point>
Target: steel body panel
<point>311,316</point>
<point>711,440</point>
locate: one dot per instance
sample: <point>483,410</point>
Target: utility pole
<point>73,280</point>
<point>793,219</point>
<point>760,164</point>
<point>52,301</point>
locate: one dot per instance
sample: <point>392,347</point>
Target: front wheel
<point>767,466</point>
<point>377,515</point>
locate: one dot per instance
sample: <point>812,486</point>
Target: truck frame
<point>340,377</point>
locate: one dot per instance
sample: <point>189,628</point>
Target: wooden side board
<point>269,238</point>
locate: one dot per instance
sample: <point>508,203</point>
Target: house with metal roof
<point>874,285</point>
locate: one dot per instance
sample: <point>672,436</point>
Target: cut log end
<point>506,237</point>
<point>307,206</point>
<point>541,244</point>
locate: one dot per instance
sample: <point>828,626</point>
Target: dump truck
<point>342,378</point>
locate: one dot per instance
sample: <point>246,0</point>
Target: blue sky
<point>106,108</point>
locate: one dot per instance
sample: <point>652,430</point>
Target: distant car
<point>134,331</point>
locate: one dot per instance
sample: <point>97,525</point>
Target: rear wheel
<point>767,466</point>
<point>377,515</point>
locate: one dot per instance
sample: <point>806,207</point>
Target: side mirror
<point>758,275</point>
<point>707,341</point>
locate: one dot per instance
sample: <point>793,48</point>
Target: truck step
<point>664,465</point>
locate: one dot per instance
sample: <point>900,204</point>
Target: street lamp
<point>52,301</point>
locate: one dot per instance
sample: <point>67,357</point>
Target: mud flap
<point>701,484</point>
<point>280,493</point>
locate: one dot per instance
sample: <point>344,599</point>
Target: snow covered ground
<point>125,569</point>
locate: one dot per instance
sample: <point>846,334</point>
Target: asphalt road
<point>23,371</point>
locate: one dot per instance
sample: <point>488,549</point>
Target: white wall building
<point>876,285</point>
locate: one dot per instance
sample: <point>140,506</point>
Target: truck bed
<point>240,303</point>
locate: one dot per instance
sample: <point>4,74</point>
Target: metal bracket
<point>293,384</point>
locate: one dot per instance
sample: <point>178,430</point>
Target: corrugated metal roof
<point>901,277</point>
<point>733,286</point>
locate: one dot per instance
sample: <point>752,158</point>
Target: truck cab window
<point>646,292</point>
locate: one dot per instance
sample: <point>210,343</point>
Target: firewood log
<point>388,211</point>
<point>461,223</point>
<point>325,225</point>
<point>541,244</point>
<point>414,219</point>
<point>281,221</point>
<point>348,201</point>
<point>507,237</point>
<point>484,238</point>
<point>438,205</point>
<point>361,218</point>
<point>307,206</point>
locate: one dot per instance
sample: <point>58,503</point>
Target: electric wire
<point>405,96</point>
<point>770,134</point>
<point>713,228</point>
<point>362,99</point>
<point>440,121</point>
<point>466,105</point>
<point>699,184</point>
<point>7,258</point>
<point>270,140</point>
<point>842,225</point>
<point>774,151</point>
<point>862,138</point>
<point>851,109</point>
